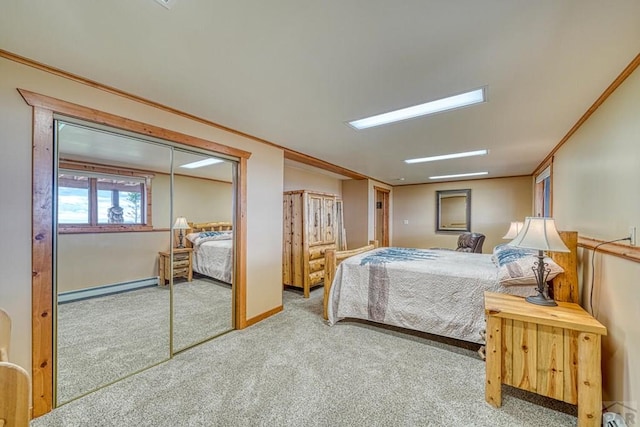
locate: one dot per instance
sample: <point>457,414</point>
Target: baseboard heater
<point>100,291</point>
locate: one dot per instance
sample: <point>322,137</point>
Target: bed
<point>212,244</point>
<point>429,290</point>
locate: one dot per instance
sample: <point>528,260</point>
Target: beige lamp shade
<point>514,229</point>
<point>181,223</point>
<point>539,233</point>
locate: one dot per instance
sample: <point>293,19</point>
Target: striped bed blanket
<point>434,291</point>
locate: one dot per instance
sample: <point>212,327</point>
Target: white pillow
<point>192,236</point>
<point>515,265</point>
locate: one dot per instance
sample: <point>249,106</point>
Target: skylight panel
<point>459,175</point>
<point>201,163</point>
<point>448,156</point>
<point>431,107</point>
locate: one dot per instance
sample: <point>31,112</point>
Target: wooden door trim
<point>385,214</point>
<point>44,108</point>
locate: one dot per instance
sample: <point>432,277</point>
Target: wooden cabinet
<point>309,230</point>
<point>182,265</point>
<point>552,351</point>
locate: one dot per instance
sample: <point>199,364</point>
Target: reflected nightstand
<point>182,265</point>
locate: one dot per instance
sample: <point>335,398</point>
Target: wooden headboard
<point>209,226</point>
<point>564,287</point>
<point>203,226</point>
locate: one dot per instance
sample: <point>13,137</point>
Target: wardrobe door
<point>112,198</point>
<point>329,219</point>
<point>315,220</point>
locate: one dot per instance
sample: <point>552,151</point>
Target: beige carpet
<point>103,339</point>
<point>294,370</point>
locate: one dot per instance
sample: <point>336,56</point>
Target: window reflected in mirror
<point>453,210</point>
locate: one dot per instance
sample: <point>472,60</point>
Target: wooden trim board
<point>630,253</point>
<point>629,69</point>
<point>42,225</point>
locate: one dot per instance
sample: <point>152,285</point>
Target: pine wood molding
<point>608,91</point>
<point>264,315</point>
<point>44,108</point>
<point>119,122</point>
<point>240,252</point>
<point>290,154</point>
<point>617,249</point>
<point>321,164</point>
<point>42,263</point>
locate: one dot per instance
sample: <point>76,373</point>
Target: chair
<point>14,395</point>
<point>470,242</point>
<point>16,387</point>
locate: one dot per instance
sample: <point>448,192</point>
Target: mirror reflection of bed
<point>118,197</point>
<point>201,307</point>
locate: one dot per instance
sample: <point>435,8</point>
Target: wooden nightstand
<point>182,265</point>
<point>552,351</point>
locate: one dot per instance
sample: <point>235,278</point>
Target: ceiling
<point>293,72</point>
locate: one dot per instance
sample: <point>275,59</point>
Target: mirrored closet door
<point>124,204</point>
<point>203,237</point>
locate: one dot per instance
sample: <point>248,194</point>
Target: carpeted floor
<point>103,339</point>
<point>293,370</point>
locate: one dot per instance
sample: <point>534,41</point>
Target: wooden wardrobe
<point>311,226</point>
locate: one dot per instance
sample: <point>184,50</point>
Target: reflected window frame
<point>93,225</point>
<point>442,194</point>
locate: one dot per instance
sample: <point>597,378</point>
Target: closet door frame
<point>44,108</point>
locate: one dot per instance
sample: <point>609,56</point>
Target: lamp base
<point>541,300</point>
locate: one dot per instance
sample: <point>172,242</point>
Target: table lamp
<point>514,229</point>
<point>540,233</point>
<point>180,224</point>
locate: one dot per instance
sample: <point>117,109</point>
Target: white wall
<point>596,181</point>
<point>494,204</point>
<point>264,192</point>
<point>302,179</point>
<point>355,205</point>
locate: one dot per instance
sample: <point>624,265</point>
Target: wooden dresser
<point>309,230</point>
<point>552,351</point>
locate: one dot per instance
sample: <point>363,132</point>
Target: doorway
<point>382,216</point>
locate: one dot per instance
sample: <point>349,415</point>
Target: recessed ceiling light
<point>460,175</point>
<point>431,107</point>
<point>201,163</point>
<point>448,156</point>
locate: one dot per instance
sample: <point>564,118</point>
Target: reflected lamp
<point>540,233</point>
<point>181,224</point>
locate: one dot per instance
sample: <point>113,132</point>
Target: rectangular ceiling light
<point>201,163</point>
<point>166,3</point>
<point>431,107</point>
<point>448,156</point>
<point>460,175</point>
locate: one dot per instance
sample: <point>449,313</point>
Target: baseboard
<point>99,291</point>
<point>263,316</point>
